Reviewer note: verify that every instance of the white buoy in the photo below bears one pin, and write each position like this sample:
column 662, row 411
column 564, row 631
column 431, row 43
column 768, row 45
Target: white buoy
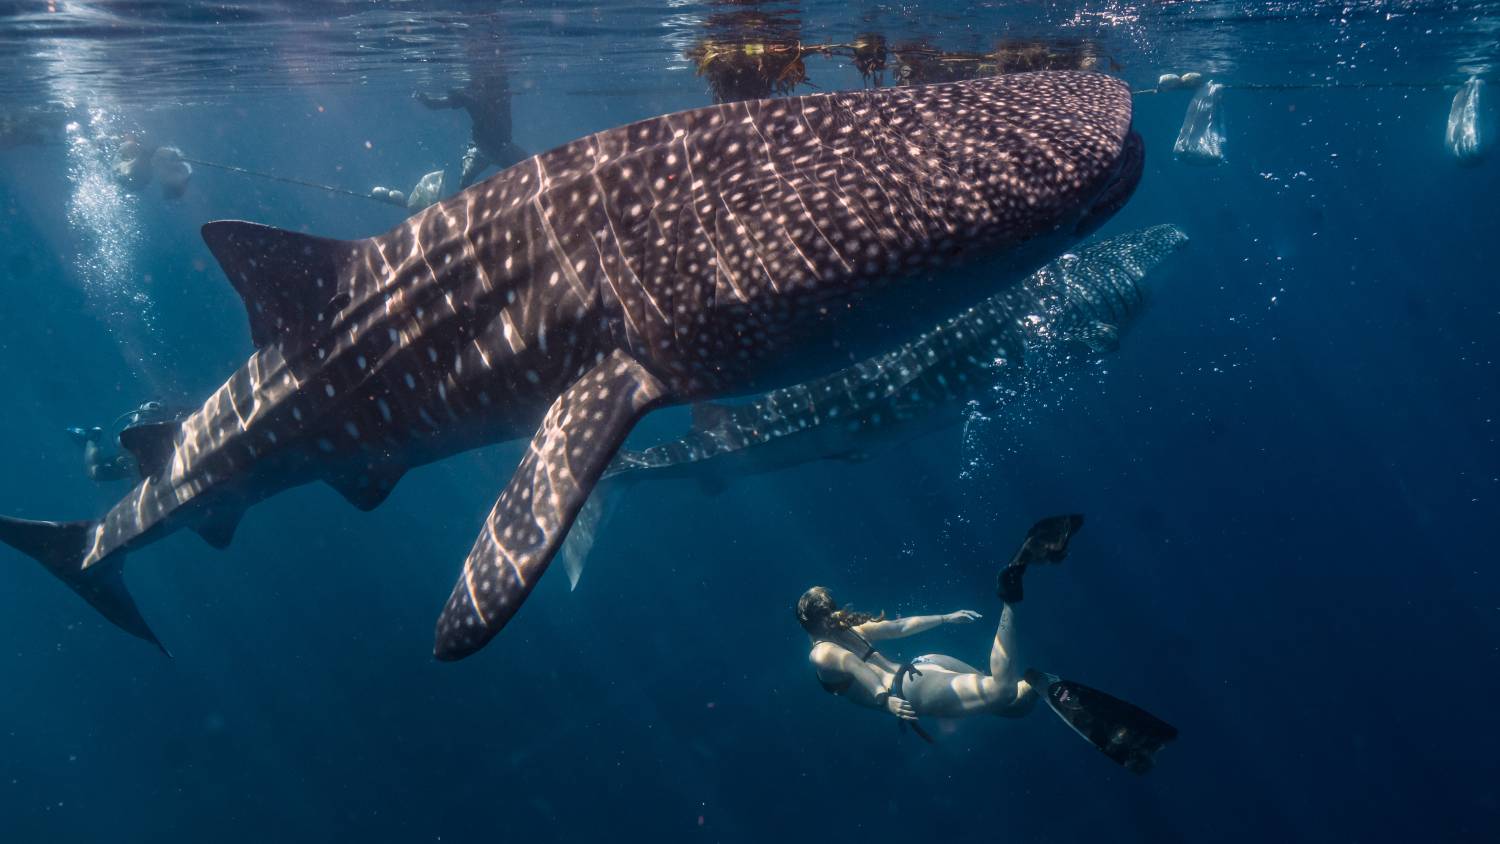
column 1201, row 139
column 1466, row 137
column 429, row 189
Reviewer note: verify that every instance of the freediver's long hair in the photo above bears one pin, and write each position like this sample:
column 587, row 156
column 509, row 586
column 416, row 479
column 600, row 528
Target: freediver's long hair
column 819, row 614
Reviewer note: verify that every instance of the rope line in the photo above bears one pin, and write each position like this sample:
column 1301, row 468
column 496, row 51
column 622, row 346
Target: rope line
column 245, row 171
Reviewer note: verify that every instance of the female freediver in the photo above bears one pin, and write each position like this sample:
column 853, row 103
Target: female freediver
column 847, row 664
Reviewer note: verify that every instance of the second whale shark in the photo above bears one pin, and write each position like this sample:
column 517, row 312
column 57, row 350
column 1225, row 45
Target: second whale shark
column 714, row 252
column 1075, row 307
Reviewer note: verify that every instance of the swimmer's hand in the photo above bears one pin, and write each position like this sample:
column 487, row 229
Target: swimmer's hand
column 961, row 617
column 900, row 708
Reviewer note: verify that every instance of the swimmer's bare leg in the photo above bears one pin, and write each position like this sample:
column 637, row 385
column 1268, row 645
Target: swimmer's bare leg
column 1012, row 696
column 1046, row 542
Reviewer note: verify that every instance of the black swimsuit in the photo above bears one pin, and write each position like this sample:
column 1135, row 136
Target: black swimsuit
column 838, row 687
column 897, row 684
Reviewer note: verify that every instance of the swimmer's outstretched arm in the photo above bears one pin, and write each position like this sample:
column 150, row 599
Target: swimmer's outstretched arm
column 452, row 99
column 901, row 627
column 868, row 688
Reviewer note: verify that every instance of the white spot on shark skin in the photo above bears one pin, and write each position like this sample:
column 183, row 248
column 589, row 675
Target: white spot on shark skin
column 324, row 445
column 385, row 409
column 352, row 429
column 328, row 388
column 411, row 383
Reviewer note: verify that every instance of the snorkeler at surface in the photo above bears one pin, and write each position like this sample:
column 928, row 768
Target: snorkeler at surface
column 847, row 664
column 487, row 100
column 104, row 458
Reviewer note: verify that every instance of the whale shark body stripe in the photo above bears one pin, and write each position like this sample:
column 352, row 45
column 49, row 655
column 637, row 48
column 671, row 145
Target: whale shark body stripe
column 719, row 251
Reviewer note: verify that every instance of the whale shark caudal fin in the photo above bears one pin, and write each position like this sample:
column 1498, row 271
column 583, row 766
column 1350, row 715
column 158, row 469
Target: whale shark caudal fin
column 581, row 432
column 287, row 279
column 59, row 547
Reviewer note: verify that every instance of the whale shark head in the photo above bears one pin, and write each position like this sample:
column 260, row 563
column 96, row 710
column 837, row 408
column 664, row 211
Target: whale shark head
column 1029, row 154
column 1118, row 189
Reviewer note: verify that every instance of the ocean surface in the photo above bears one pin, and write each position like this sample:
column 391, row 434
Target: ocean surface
column 1290, row 468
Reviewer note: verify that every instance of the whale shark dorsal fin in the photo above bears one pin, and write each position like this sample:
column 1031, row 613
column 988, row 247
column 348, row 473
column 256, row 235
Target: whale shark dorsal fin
column 707, row 415
column 580, row 434
column 287, row 279
column 151, row 445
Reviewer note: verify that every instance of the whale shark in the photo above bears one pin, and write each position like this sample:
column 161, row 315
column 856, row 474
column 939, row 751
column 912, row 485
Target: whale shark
column 1077, row 307
column 709, row 253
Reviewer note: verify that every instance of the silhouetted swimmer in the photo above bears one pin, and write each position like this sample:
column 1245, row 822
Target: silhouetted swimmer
column 847, row 664
column 487, row 100
column 104, row 458
column 100, row 461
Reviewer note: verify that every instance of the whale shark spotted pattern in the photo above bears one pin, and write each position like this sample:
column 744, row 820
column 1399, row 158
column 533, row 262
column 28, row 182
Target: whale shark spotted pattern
column 711, row 252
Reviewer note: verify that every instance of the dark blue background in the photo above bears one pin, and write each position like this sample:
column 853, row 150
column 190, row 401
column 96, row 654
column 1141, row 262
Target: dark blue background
column 1289, row 552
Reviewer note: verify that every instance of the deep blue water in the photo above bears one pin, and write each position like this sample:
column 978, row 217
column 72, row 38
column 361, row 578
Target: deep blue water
column 1290, row 471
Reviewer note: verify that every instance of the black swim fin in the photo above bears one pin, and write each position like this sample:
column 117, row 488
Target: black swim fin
column 1122, row 731
column 1046, row 543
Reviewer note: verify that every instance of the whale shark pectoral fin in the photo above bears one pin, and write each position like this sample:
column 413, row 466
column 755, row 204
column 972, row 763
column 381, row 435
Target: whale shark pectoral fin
column 580, row 434
column 60, row 547
column 287, row 279
column 151, row 445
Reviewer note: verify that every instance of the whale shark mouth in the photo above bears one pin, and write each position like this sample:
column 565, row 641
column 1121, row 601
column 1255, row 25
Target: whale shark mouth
column 1119, row 188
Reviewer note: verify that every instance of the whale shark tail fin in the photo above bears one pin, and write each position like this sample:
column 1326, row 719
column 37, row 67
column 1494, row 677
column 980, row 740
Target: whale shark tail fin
column 60, row 547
